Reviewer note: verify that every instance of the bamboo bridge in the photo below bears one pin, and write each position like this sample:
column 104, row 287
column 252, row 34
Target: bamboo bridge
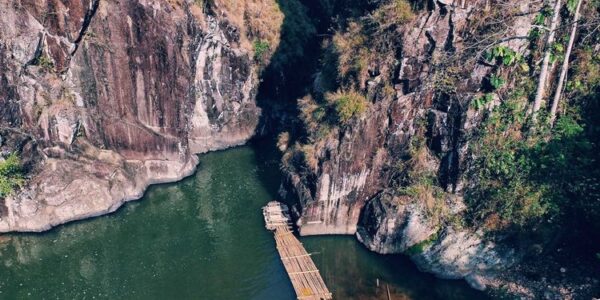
column 304, row 275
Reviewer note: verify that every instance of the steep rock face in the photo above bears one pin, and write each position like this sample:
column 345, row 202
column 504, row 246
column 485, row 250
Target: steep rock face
column 348, row 174
column 103, row 98
column 392, row 224
column 348, row 188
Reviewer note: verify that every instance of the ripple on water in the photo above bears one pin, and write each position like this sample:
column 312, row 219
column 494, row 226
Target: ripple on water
column 202, row 238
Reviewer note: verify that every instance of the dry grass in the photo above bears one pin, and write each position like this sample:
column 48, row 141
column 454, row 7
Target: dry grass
column 311, row 113
column 258, row 20
column 397, row 12
column 353, row 56
column 309, row 157
column 347, row 104
column 283, row 141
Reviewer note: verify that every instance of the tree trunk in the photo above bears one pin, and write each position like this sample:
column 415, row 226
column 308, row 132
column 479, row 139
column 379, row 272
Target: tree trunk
column 541, row 89
column 565, row 66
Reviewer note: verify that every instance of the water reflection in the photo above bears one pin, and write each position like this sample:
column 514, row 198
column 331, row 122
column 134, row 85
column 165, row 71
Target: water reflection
column 353, row 272
column 202, row 238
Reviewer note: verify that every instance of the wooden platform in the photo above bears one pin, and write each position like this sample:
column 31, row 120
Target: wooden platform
column 304, row 275
column 301, row 269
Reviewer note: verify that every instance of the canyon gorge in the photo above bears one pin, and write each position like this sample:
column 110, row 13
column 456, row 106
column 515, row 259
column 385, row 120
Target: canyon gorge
column 407, row 124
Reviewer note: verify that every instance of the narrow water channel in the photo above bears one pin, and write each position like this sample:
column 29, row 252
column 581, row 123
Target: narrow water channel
column 201, row 238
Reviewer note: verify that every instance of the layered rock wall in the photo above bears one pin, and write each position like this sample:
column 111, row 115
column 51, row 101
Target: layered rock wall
column 103, row 98
column 419, row 85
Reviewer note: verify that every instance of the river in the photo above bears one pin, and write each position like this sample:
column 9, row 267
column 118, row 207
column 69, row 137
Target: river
column 201, row 238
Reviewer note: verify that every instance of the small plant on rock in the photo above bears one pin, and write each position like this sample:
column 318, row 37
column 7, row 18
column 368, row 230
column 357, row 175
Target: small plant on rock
column 347, row 104
column 45, row 63
column 11, row 175
column 261, row 48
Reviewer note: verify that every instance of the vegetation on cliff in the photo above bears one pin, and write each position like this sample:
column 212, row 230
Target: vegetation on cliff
column 258, row 21
column 529, row 156
column 11, row 175
column 530, row 169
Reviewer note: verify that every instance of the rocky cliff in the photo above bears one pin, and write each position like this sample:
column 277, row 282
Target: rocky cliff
column 102, row 98
column 416, row 133
column 392, row 131
column 355, row 162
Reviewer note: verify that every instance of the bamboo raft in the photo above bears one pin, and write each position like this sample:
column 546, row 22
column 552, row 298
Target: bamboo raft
column 302, row 271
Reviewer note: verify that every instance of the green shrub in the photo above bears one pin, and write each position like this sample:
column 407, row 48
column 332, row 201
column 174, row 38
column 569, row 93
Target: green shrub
column 11, row 175
column 504, row 192
column 587, row 72
column 480, row 102
column 521, row 178
column 347, row 104
column 45, row 63
column 261, row 49
column 496, row 81
column 503, row 55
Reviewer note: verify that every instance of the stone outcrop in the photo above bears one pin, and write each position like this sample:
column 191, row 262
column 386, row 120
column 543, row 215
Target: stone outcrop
column 103, row 98
column 415, row 89
column 392, row 224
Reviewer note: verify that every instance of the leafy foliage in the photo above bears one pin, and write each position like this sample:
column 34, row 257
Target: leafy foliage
column 587, row 72
column 557, row 52
column 503, row 193
column 480, row 102
column 45, row 62
column 347, row 104
column 503, row 55
column 521, row 180
column 544, row 13
column 261, row 48
column 496, row 81
column 572, row 5
column 11, row 175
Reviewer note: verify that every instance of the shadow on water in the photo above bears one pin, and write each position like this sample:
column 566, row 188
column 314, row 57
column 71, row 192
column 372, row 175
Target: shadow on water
column 204, row 237
column 268, row 170
column 350, row 270
column 201, row 238
column 353, row 272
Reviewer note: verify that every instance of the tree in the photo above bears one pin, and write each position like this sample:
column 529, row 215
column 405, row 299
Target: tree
column 565, row 66
column 541, row 88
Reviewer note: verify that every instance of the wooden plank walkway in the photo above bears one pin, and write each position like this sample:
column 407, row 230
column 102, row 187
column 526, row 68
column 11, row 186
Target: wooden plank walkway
column 301, row 269
column 304, row 275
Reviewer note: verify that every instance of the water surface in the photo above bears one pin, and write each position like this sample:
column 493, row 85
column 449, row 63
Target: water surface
column 202, row 238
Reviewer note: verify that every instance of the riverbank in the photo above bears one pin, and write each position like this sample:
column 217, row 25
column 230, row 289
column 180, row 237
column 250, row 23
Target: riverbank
column 202, row 237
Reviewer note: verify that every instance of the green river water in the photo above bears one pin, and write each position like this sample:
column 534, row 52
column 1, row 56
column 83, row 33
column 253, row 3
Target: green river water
column 201, row 238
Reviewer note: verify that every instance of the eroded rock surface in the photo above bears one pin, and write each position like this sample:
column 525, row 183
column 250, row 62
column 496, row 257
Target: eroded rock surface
column 347, row 180
column 103, row 98
column 392, row 224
